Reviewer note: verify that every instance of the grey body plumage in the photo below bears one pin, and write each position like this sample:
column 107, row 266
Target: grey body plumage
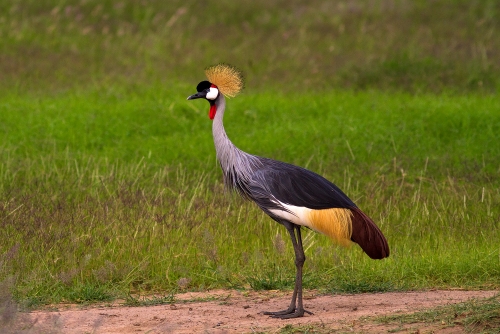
column 267, row 181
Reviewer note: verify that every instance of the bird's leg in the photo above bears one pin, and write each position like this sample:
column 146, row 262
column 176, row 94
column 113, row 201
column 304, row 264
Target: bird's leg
column 300, row 258
column 294, row 310
column 293, row 303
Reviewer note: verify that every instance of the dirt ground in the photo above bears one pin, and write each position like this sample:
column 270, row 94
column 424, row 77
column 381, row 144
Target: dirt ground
column 228, row 311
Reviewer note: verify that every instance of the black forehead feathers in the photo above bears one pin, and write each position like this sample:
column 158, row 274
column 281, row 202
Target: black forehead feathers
column 203, row 85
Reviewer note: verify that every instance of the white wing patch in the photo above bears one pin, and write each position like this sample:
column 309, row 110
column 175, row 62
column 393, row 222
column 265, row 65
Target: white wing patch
column 298, row 215
column 335, row 222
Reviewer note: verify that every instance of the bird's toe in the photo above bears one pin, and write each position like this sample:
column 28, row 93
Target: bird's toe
column 288, row 314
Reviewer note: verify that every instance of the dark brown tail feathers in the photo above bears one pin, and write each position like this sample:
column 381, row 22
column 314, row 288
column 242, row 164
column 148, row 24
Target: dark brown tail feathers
column 366, row 234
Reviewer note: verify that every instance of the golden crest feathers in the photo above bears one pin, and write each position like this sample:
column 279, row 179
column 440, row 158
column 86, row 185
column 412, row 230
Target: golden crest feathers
column 227, row 78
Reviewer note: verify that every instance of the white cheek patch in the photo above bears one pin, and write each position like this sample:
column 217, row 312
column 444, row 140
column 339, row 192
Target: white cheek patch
column 212, row 94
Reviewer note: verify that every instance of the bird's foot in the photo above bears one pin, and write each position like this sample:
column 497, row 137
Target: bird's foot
column 290, row 313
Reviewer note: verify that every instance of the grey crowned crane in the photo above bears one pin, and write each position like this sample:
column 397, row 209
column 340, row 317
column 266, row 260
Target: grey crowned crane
column 291, row 195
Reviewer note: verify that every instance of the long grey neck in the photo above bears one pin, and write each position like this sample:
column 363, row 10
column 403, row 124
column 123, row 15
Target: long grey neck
column 237, row 166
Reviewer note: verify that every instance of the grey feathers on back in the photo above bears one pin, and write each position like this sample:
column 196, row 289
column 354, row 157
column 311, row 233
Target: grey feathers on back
column 265, row 180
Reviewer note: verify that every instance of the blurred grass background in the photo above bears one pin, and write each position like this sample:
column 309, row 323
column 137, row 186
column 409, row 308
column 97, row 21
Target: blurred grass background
column 290, row 45
column 108, row 179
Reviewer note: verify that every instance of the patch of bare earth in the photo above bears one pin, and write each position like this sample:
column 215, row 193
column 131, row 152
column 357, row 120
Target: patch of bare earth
column 228, row 311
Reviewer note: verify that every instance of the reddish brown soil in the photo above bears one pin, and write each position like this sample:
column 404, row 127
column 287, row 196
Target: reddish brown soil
column 240, row 312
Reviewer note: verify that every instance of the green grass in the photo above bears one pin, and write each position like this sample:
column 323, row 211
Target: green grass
column 111, row 196
column 409, row 45
column 475, row 316
column 305, row 329
column 149, row 301
column 108, row 179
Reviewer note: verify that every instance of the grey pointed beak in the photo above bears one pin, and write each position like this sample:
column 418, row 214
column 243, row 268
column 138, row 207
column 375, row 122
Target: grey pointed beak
column 198, row 95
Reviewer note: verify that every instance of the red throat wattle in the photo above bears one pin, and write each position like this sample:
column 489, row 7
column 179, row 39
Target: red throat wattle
column 213, row 108
column 211, row 114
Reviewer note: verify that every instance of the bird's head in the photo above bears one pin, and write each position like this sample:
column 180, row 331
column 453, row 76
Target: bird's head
column 209, row 92
column 223, row 78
